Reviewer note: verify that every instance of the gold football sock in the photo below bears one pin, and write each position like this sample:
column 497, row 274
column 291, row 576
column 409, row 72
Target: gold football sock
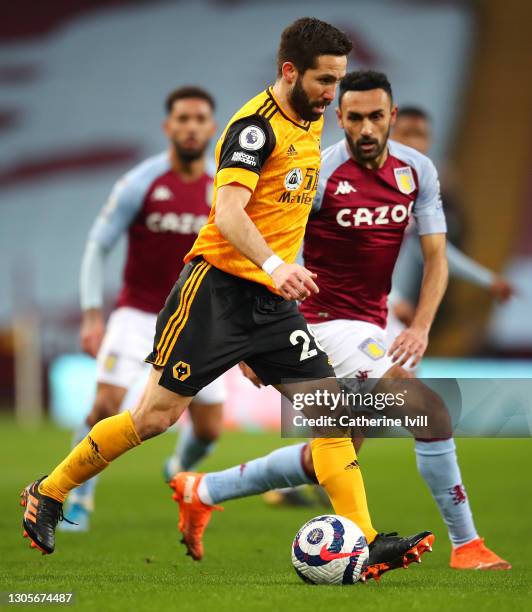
column 338, row 473
column 106, row 441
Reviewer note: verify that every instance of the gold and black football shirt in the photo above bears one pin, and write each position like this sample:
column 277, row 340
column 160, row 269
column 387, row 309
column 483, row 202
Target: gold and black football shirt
column 277, row 158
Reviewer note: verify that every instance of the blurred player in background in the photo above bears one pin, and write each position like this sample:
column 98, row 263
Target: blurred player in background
column 161, row 204
column 369, row 187
column 412, row 128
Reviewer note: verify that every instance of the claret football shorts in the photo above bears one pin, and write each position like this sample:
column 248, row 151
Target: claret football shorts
column 213, row 320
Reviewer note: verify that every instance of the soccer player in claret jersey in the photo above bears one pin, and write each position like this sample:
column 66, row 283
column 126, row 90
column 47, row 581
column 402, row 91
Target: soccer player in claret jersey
column 236, row 298
column 162, row 203
column 369, row 187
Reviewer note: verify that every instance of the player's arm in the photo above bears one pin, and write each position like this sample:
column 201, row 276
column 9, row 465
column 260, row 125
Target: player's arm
column 237, row 176
column 114, row 219
column 462, row 266
column 411, row 344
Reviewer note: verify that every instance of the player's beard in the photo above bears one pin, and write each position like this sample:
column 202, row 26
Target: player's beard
column 188, row 156
column 302, row 104
column 360, row 155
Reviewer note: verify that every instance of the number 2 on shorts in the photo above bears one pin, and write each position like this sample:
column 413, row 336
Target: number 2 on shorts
column 300, row 335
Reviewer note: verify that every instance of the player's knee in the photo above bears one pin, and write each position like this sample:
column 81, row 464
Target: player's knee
column 307, row 463
column 428, row 404
column 106, row 404
column 208, row 432
column 152, row 418
column 207, row 422
column 440, row 422
column 152, row 423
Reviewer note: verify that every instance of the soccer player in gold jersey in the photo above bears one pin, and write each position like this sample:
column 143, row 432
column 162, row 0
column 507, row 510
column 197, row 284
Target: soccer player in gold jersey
column 235, row 299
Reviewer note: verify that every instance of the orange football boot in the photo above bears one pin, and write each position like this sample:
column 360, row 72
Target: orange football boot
column 476, row 555
column 194, row 515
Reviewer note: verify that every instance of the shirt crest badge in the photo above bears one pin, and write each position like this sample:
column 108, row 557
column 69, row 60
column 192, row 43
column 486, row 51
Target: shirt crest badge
column 405, row 179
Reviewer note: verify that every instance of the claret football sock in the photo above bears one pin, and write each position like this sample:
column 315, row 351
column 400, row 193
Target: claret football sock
column 281, row 468
column 438, row 464
column 106, row 441
column 339, row 474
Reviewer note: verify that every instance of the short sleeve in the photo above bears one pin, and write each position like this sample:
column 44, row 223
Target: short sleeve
column 247, row 145
column 428, row 209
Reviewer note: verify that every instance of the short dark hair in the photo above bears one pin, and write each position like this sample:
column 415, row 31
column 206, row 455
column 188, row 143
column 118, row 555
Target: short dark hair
column 416, row 112
column 306, row 39
column 364, row 80
column 188, row 91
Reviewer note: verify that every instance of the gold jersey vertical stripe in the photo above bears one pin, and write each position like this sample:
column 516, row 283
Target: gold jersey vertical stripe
column 169, row 325
column 181, row 320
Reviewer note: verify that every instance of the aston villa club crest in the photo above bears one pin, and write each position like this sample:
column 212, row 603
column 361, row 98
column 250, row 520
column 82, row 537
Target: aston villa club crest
column 404, row 179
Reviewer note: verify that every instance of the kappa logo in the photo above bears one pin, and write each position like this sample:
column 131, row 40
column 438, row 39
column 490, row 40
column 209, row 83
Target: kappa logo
column 181, row 370
column 291, row 152
column 344, row 188
column 161, row 194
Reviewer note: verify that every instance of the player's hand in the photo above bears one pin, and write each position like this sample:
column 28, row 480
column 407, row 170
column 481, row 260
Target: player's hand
column 410, row 344
column 501, row 289
column 92, row 331
column 250, row 374
column 294, row 281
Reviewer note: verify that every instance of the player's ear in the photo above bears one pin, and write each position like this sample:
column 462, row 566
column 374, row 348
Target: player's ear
column 165, row 127
column 393, row 115
column 338, row 112
column 289, row 72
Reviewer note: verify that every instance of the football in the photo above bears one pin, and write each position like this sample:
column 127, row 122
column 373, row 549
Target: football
column 329, row 549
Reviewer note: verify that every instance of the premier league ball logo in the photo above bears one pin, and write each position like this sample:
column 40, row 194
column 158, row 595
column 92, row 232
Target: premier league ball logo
column 315, row 536
column 252, row 138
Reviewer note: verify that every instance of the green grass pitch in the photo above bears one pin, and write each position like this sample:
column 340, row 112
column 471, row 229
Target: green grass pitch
column 131, row 560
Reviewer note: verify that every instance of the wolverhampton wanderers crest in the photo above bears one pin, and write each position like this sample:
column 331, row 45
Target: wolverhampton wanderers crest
column 404, row 179
column 181, row 370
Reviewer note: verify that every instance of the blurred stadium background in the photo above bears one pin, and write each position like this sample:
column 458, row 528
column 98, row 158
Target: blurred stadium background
column 82, row 85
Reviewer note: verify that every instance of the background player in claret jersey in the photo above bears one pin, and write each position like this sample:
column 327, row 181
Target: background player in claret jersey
column 413, row 128
column 369, row 187
column 161, row 204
